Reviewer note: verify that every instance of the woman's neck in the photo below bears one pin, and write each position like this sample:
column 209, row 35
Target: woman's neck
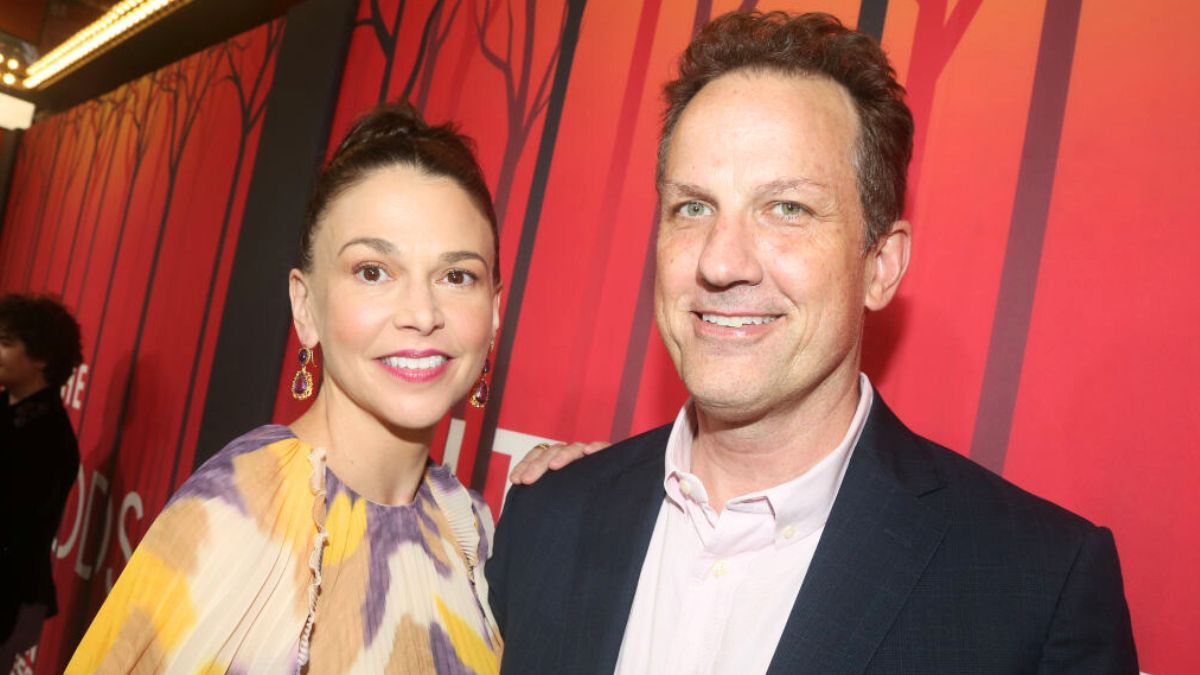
column 383, row 464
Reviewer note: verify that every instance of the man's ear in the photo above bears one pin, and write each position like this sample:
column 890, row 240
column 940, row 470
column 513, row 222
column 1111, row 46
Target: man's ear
column 303, row 319
column 886, row 262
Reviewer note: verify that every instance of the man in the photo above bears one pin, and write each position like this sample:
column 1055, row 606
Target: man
column 787, row 522
column 39, row 349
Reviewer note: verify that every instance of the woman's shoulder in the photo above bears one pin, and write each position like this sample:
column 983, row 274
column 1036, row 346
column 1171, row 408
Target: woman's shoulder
column 463, row 505
column 265, row 451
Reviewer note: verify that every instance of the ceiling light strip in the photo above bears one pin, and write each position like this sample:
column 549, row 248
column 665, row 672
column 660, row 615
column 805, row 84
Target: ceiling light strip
column 124, row 19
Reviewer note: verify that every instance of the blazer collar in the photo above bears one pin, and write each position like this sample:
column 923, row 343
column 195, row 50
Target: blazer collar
column 878, row 539
column 622, row 516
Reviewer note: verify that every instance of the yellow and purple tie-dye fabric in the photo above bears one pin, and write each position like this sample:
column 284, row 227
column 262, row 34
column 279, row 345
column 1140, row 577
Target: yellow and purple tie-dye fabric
column 220, row 581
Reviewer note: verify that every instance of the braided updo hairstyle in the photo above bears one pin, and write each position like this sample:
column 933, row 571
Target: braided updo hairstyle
column 395, row 134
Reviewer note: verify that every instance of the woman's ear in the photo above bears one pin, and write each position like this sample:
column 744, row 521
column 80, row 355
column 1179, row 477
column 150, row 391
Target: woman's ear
column 303, row 317
column 496, row 313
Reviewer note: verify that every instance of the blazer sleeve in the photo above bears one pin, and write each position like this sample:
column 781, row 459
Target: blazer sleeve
column 496, row 568
column 1091, row 631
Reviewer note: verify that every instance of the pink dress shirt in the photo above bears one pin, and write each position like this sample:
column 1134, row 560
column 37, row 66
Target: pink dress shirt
column 716, row 589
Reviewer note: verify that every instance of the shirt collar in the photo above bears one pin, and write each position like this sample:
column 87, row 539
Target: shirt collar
column 799, row 506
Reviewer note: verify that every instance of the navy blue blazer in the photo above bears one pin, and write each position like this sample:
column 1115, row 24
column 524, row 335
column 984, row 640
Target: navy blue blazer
column 928, row 563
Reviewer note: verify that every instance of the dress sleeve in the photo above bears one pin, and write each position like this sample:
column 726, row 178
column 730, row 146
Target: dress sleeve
column 150, row 608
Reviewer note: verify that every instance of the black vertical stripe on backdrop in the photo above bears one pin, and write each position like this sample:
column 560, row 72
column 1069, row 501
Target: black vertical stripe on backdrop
column 1026, row 234
column 529, row 228
column 871, row 15
column 639, row 341
column 10, row 140
column 295, row 133
column 870, row 20
column 643, row 308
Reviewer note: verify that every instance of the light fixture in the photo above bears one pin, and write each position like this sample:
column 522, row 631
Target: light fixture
column 13, row 64
column 10, row 79
column 123, row 20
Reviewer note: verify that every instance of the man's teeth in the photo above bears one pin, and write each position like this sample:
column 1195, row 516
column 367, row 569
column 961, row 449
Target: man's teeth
column 737, row 321
column 406, row 363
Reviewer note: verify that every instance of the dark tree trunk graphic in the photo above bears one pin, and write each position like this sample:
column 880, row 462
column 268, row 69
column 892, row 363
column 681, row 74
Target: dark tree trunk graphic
column 117, row 104
column 81, row 114
column 525, row 101
column 386, row 33
column 69, row 121
column 564, row 59
column 250, row 86
column 934, row 42
column 27, row 169
column 440, row 30
column 435, row 29
column 610, row 201
column 138, row 103
column 101, row 125
column 184, row 85
column 643, row 312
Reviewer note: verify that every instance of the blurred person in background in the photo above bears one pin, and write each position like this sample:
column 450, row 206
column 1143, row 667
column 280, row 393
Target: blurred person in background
column 39, row 458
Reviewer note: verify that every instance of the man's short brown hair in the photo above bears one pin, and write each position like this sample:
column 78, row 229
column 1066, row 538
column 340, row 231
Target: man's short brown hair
column 814, row 44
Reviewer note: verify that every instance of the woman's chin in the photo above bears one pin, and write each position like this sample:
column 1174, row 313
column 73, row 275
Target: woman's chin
column 416, row 417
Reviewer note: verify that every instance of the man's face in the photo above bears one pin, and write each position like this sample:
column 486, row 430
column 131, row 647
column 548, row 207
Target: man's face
column 762, row 276
column 17, row 369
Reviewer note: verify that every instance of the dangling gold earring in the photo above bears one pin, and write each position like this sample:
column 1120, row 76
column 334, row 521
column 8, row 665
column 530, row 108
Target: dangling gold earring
column 302, row 383
column 480, row 394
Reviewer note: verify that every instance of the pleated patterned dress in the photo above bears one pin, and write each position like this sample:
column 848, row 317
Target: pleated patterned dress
column 226, row 579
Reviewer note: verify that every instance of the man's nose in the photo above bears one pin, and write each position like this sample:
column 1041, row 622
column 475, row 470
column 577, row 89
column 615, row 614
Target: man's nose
column 730, row 254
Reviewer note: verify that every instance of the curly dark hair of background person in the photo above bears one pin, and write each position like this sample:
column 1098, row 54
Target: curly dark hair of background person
column 48, row 331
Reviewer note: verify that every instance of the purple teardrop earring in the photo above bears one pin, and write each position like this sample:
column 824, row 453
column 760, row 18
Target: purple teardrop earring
column 480, row 394
column 302, row 383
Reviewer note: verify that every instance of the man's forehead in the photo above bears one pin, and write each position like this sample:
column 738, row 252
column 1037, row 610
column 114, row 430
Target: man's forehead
column 770, row 129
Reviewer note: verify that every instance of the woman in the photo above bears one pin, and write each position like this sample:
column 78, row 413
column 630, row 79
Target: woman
column 39, row 349
column 333, row 545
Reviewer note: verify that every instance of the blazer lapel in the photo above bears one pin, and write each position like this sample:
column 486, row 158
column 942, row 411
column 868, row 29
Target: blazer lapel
column 878, row 540
column 623, row 514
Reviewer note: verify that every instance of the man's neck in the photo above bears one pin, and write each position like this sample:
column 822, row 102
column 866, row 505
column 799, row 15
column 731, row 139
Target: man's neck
column 734, row 459
column 20, row 391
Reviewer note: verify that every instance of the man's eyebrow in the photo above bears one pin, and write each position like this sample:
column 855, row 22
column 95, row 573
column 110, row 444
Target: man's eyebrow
column 686, row 190
column 451, row 257
column 785, row 184
column 382, row 246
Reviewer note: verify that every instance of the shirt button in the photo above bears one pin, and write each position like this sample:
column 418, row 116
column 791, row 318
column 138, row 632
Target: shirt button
column 718, row 569
column 685, row 487
column 789, row 532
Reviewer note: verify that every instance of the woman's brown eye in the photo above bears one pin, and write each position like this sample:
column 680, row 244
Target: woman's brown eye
column 455, row 277
column 370, row 273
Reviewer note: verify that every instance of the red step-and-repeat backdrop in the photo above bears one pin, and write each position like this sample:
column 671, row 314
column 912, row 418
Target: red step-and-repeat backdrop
column 1047, row 326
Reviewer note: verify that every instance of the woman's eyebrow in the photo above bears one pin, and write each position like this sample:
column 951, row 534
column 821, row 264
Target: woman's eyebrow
column 383, row 246
column 451, row 257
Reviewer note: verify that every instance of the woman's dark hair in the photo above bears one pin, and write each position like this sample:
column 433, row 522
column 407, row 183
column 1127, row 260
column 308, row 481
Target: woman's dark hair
column 395, row 134
column 48, row 331
column 813, row 44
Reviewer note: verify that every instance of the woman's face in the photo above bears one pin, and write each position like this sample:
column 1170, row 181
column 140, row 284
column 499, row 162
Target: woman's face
column 400, row 295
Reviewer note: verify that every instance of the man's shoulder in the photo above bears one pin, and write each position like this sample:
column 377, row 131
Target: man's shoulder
column 981, row 498
column 570, row 484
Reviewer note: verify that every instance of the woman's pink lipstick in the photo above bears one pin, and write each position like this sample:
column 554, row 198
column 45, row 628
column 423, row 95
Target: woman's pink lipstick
column 416, row 366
